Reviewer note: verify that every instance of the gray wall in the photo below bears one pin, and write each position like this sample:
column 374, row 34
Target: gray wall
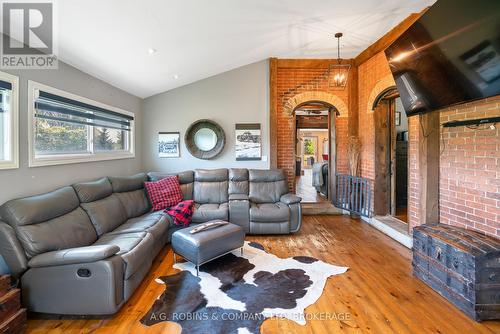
column 28, row 181
column 237, row 96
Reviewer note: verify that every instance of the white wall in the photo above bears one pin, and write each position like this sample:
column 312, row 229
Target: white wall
column 237, row 96
column 26, row 181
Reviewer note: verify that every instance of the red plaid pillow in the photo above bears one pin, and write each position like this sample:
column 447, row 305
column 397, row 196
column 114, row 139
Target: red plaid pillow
column 182, row 212
column 164, row 193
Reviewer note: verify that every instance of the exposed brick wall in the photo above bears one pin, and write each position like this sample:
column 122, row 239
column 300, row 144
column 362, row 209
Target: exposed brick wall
column 469, row 186
column 292, row 82
column 341, row 126
column 469, row 160
column 374, row 76
column 413, row 172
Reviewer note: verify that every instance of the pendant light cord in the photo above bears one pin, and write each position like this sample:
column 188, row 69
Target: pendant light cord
column 337, row 36
column 338, row 49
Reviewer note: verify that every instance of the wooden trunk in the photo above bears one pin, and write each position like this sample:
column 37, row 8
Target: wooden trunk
column 4, row 284
column 12, row 316
column 461, row 265
column 10, row 303
column 16, row 324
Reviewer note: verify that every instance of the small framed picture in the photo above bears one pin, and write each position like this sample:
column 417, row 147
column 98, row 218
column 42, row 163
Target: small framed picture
column 397, row 119
column 248, row 142
column 168, row 144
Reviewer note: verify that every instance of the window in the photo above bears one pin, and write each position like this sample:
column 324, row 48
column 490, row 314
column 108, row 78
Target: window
column 9, row 118
column 66, row 128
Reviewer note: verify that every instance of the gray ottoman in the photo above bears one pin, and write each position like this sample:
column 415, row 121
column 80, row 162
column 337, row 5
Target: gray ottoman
column 207, row 245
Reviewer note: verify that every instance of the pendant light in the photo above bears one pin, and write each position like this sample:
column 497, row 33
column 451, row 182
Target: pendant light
column 339, row 72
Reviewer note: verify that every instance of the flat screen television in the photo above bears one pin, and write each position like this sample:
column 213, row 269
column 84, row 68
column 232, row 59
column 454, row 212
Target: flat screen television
column 450, row 55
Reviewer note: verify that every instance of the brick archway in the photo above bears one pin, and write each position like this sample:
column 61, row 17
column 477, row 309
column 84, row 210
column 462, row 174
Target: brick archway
column 380, row 86
column 334, row 100
column 336, row 123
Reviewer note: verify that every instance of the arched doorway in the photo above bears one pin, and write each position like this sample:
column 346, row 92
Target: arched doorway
column 391, row 155
column 315, row 150
column 286, row 160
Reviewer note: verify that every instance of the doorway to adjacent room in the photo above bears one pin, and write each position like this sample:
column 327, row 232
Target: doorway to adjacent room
column 312, row 151
column 391, row 158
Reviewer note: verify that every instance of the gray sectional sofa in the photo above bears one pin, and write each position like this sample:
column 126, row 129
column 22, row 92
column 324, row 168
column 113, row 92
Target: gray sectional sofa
column 84, row 249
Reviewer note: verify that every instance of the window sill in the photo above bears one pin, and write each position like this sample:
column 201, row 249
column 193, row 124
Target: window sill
column 75, row 159
column 9, row 165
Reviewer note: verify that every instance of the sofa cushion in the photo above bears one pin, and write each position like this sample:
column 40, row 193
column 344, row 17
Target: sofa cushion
column 71, row 230
column 238, row 181
column 127, row 183
column 93, row 190
column 39, row 208
column 49, row 222
column 135, row 249
column 269, row 212
column 136, row 203
column 155, row 223
column 105, row 214
column 267, row 186
column 210, row 186
column 164, row 193
column 206, row 212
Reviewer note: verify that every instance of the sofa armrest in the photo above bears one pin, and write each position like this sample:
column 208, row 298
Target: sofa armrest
column 238, row 197
column 290, row 199
column 73, row 256
column 12, row 251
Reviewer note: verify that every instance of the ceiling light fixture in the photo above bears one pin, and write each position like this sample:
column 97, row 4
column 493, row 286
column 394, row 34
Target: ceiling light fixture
column 151, row 51
column 339, row 73
column 175, row 76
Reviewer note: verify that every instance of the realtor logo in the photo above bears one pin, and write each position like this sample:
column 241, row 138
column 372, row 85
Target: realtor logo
column 28, row 35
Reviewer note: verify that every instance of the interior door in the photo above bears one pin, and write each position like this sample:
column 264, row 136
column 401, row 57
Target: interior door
column 382, row 185
column 393, row 134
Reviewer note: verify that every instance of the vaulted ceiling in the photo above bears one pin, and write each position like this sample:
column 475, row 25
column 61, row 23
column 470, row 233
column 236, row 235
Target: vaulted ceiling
column 195, row 39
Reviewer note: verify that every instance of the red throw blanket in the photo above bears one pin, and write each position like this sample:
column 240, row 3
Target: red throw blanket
column 182, row 212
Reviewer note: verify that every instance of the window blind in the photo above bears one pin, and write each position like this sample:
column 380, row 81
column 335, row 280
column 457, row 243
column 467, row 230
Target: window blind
column 4, row 85
column 58, row 108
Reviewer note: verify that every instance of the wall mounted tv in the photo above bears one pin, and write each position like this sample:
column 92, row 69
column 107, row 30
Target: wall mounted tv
column 450, row 55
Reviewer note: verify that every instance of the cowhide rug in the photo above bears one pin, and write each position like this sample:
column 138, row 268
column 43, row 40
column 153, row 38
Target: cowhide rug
column 235, row 294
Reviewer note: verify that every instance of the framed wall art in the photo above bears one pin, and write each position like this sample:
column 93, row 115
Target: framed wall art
column 248, row 145
column 169, row 144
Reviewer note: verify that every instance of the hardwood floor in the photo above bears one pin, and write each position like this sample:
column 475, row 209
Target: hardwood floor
column 377, row 295
column 402, row 214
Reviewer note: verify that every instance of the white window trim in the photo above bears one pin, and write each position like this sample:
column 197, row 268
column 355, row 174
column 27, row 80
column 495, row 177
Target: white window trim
column 14, row 123
column 63, row 159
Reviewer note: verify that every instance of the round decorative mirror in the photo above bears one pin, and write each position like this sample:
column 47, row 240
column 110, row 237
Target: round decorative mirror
column 205, row 139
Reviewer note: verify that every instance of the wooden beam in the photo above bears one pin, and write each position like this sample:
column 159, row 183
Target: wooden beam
column 353, row 126
column 310, row 63
column 428, row 167
column 382, row 185
column 273, row 113
column 312, row 122
column 332, row 163
column 386, row 40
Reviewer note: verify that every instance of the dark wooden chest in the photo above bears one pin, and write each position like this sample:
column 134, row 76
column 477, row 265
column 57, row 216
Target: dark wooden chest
column 12, row 316
column 461, row 265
